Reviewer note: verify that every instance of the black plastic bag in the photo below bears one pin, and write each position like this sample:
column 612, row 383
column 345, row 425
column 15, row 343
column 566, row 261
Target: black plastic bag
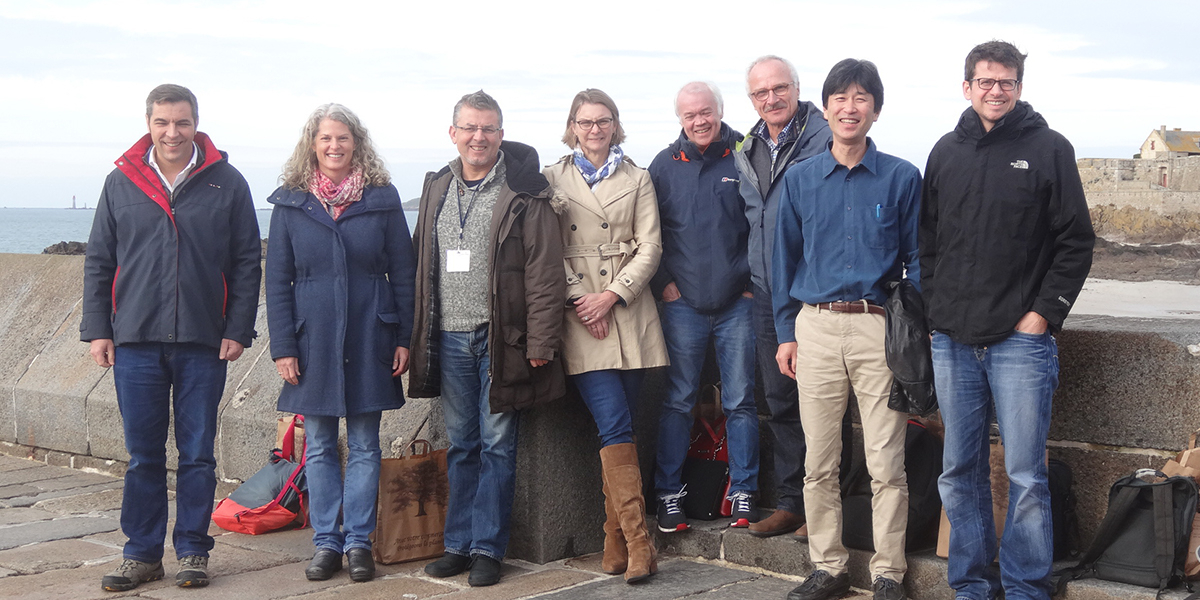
column 908, row 351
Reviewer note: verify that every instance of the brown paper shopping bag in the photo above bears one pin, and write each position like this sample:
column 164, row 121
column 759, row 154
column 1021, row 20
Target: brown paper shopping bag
column 413, row 493
column 281, row 428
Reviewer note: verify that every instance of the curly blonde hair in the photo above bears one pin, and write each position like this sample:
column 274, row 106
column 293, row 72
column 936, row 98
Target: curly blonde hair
column 298, row 169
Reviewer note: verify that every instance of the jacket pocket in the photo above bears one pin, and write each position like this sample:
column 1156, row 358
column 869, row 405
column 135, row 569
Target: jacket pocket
column 301, row 344
column 385, row 339
column 513, row 366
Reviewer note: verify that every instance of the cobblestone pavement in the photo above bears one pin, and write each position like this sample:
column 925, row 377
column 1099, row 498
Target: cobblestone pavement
column 59, row 534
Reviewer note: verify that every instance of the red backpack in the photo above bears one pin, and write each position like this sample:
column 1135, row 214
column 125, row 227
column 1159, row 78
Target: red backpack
column 276, row 497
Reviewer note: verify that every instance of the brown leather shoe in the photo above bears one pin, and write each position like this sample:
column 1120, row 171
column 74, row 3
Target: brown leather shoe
column 779, row 523
column 802, row 533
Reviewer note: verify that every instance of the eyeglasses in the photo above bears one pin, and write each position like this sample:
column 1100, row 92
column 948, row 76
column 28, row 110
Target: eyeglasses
column 587, row 124
column 778, row 90
column 472, row 129
column 987, row 83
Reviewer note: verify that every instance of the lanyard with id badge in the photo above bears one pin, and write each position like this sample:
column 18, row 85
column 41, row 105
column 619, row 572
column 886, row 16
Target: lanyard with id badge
column 459, row 260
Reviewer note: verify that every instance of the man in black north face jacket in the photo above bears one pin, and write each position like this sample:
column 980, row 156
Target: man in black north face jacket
column 1005, row 246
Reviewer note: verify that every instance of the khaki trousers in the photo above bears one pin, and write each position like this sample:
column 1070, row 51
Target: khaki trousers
column 837, row 352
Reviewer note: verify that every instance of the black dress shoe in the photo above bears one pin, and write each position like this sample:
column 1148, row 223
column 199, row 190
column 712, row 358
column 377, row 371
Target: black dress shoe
column 485, row 570
column 324, row 564
column 448, row 565
column 362, row 564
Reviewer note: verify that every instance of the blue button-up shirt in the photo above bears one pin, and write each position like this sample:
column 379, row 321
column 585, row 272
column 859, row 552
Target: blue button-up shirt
column 841, row 233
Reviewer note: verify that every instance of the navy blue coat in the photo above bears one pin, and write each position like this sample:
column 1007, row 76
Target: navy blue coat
column 704, row 230
column 340, row 298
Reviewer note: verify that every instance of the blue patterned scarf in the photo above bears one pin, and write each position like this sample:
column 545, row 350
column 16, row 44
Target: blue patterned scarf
column 591, row 174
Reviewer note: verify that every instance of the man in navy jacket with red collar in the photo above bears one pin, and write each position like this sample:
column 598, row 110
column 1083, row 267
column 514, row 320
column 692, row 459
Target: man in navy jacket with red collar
column 171, row 285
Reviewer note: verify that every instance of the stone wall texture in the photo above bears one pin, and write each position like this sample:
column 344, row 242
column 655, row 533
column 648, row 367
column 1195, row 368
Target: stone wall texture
column 1127, row 399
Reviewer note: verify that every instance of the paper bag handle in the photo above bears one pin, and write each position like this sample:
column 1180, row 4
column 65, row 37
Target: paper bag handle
column 426, row 447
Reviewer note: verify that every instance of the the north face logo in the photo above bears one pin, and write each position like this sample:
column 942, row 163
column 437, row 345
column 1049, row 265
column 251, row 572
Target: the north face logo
column 1020, row 164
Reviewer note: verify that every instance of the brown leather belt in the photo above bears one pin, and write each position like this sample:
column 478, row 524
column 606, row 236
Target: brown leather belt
column 857, row 307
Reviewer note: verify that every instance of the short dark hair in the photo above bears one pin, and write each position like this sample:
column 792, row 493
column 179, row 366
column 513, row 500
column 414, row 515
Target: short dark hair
column 853, row 71
column 995, row 51
column 480, row 101
column 171, row 93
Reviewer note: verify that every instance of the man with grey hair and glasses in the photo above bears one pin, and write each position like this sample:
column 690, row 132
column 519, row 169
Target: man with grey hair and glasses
column 788, row 131
column 704, row 282
column 488, row 324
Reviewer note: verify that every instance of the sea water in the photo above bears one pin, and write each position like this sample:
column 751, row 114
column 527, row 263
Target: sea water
column 30, row 230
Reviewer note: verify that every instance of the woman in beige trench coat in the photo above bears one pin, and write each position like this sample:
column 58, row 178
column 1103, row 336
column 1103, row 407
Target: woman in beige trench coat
column 611, row 247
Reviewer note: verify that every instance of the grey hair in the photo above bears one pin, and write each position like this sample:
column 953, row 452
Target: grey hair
column 479, row 101
column 702, row 86
column 170, row 93
column 769, row 57
column 300, row 167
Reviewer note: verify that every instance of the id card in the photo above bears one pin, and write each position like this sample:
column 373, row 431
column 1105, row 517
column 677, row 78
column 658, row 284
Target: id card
column 458, row 261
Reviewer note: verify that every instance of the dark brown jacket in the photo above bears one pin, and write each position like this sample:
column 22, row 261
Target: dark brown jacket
column 528, row 288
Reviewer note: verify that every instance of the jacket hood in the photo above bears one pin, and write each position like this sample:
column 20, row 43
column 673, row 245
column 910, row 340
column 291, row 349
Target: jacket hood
column 1020, row 118
column 523, row 170
column 729, row 137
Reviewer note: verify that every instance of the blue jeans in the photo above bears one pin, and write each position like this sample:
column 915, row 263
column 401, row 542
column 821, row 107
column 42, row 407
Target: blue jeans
column 482, row 459
column 1016, row 379
column 146, row 377
column 611, row 396
column 687, row 333
column 342, row 515
column 784, row 404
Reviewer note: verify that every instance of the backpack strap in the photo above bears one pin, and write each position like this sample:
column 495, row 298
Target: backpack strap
column 1118, row 510
column 1164, row 533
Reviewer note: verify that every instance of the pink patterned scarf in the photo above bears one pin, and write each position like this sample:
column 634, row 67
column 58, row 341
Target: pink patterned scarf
column 337, row 198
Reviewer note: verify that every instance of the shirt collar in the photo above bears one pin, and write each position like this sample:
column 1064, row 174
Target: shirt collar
column 829, row 164
column 153, row 162
column 789, row 133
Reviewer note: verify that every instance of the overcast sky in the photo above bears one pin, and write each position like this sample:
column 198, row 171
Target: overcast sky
column 76, row 73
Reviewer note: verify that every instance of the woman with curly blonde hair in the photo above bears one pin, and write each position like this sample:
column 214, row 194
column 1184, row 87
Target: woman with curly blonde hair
column 339, row 279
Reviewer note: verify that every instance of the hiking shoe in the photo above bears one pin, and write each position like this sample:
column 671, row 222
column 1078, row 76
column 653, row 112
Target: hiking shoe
column 448, row 565
column 670, row 512
column 485, row 571
column 887, row 589
column 131, row 574
column 193, row 571
column 743, row 508
column 820, row 585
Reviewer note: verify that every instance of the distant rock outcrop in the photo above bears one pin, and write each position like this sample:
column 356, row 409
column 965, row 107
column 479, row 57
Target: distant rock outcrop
column 67, row 248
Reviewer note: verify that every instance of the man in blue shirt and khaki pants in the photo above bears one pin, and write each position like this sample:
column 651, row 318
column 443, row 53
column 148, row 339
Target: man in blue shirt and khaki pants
column 847, row 225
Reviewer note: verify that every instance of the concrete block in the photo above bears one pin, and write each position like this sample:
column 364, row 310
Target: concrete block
column 780, row 554
column 59, row 554
column 382, row 588
column 46, row 495
column 57, row 529
column 106, row 433
column 12, row 516
column 97, row 502
column 1127, row 382
column 38, row 473
column 702, row 540
column 558, row 508
column 523, row 583
column 420, row 418
column 926, row 577
column 759, row 587
column 675, row 579
column 50, row 396
column 246, row 430
column 14, row 463
column 296, row 543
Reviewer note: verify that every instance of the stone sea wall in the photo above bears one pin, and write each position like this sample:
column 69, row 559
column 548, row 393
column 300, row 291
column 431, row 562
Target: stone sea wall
column 1127, row 399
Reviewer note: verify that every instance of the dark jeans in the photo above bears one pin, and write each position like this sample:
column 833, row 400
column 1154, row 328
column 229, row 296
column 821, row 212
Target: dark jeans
column 783, row 402
column 147, row 376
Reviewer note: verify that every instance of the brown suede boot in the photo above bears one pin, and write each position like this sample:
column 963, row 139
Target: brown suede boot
column 616, row 555
column 624, row 479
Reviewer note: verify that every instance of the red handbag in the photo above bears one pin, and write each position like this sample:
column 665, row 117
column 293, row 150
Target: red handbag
column 706, row 470
column 274, row 498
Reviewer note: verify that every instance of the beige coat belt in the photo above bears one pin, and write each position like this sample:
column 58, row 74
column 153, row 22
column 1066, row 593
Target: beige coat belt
column 599, row 250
